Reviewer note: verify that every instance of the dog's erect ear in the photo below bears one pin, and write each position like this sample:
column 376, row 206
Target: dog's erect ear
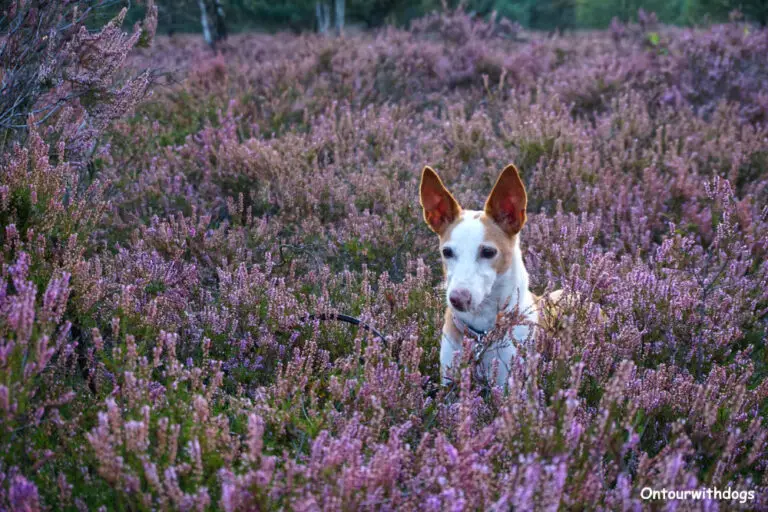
column 507, row 202
column 440, row 208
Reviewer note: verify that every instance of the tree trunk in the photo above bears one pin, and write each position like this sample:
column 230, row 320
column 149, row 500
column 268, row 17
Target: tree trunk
column 319, row 17
column 204, row 22
column 339, row 8
column 323, row 13
column 221, row 25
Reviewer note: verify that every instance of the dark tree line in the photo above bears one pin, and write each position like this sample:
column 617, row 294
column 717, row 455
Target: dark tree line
column 215, row 18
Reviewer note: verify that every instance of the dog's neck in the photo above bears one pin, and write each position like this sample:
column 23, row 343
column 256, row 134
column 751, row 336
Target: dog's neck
column 510, row 291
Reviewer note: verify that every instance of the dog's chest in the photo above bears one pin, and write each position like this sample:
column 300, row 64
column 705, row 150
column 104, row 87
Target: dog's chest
column 484, row 354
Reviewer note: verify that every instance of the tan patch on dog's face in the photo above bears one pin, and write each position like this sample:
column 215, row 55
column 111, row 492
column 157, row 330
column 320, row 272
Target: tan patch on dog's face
column 504, row 243
column 446, row 234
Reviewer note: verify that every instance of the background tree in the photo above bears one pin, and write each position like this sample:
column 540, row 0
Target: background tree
column 205, row 23
column 212, row 21
column 338, row 11
column 323, row 14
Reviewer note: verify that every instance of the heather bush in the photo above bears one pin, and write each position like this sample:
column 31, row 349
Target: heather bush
column 35, row 353
column 162, row 341
column 58, row 74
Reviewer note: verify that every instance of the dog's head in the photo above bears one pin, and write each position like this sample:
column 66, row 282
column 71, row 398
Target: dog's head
column 476, row 246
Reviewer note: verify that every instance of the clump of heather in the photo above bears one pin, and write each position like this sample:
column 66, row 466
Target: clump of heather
column 36, row 355
column 162, row 342
column 60, row 75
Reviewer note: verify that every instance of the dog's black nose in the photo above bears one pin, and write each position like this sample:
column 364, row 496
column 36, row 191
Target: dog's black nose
column 460, row 299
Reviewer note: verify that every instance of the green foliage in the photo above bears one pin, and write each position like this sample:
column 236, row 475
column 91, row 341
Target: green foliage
column 699, row 11
column 298, row 14
column 599, row 13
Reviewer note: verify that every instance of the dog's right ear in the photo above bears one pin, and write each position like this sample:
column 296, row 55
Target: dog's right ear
column 440, row 208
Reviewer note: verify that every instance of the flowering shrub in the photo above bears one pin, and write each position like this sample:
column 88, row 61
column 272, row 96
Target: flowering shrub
column 160, row 341
column 57, row 73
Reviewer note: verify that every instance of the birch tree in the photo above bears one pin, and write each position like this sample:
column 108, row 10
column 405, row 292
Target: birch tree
column 205, row 23
column 214, row 30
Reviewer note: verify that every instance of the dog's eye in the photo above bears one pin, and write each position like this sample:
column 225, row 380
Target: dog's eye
column 488, row 252
column 447, row 253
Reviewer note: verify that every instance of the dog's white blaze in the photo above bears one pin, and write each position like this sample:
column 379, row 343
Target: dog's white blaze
column 466, row 270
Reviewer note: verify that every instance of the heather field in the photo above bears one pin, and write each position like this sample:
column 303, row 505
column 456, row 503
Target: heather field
column 155, row 347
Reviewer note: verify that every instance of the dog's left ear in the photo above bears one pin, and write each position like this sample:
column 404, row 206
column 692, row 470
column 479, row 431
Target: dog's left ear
column 507, row 202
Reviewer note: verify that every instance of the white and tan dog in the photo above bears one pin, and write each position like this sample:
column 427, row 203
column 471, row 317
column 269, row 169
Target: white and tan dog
column 483, row 265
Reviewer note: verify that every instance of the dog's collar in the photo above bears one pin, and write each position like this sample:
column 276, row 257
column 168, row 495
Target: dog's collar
column 466, row 329
column 479, row 347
